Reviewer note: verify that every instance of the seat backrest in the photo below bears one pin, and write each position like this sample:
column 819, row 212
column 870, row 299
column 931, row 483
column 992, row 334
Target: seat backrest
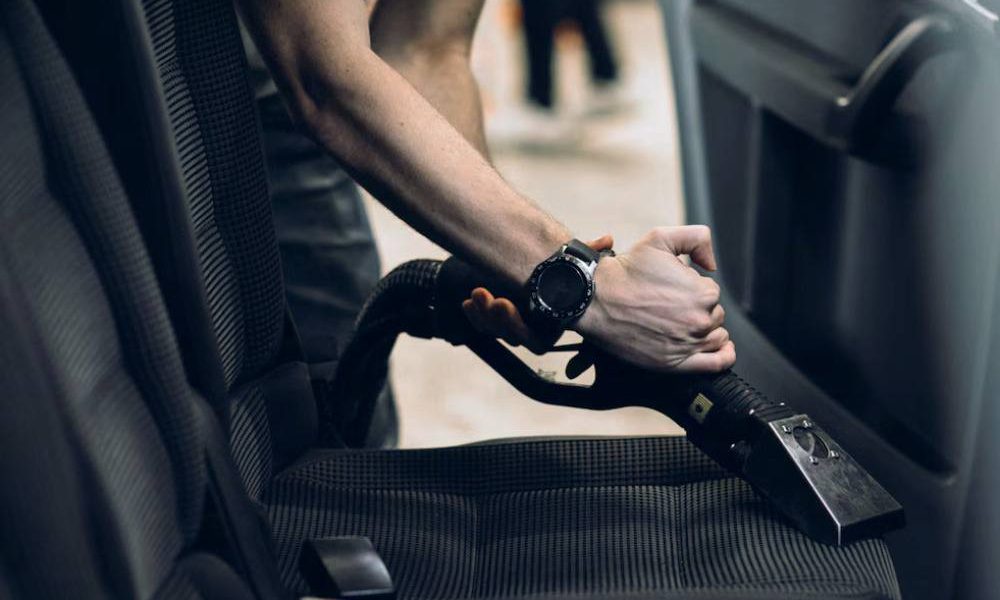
column 94, row 386
column 42, row 509
column 183, row 129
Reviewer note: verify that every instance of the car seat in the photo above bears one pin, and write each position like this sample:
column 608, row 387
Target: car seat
column 580, row 517
column 103, row 467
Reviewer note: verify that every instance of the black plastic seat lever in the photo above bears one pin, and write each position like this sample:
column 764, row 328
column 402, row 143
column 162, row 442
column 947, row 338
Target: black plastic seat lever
column 345, row 567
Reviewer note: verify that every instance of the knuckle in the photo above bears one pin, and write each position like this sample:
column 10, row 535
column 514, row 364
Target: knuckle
column 650, row 238
column 700, row 321
column 654, row 237
column 702, row 232
column 730, row 356
column 711, row 292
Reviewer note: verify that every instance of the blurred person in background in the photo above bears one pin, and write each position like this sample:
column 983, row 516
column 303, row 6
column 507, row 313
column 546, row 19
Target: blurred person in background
column 540, row 121
column 541, row 19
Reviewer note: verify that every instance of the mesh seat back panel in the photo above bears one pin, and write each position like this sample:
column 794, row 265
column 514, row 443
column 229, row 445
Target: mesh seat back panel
column 251, row 441
column 217, row 138
column 202, row 71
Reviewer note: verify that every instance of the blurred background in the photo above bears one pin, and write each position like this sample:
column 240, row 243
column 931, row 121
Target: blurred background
column 603, row 159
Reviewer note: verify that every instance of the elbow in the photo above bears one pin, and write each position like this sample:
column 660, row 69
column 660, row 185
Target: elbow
column 320, row 92
column 316, row 106
column 308, row 100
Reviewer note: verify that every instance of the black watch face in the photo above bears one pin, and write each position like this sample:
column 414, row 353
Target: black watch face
column 561, row 286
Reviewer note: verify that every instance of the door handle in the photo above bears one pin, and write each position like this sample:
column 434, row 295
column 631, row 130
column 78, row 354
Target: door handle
column 855, row 115
column 810, row 90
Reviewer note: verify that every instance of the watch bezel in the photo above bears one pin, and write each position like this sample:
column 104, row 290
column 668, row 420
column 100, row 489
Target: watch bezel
column 574, row 312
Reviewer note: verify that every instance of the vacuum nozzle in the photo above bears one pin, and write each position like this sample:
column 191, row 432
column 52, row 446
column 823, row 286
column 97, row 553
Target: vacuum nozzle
column 817, row 484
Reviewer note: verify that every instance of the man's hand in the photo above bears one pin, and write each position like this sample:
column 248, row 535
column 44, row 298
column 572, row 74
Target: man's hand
column 650, row 308
column 654, row 310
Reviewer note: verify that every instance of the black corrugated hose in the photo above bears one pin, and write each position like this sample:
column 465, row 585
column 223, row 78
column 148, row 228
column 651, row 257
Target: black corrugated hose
column 422, row 299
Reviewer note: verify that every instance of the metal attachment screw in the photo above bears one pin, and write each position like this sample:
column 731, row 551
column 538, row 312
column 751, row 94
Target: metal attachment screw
column 814, row 460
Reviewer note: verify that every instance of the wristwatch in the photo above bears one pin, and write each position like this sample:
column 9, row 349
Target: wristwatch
column 561, row 288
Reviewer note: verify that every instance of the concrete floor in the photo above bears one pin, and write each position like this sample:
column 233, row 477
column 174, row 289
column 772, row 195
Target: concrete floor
column 622, row 179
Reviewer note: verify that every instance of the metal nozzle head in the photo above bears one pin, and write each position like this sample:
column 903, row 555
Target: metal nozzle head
column 817, row 485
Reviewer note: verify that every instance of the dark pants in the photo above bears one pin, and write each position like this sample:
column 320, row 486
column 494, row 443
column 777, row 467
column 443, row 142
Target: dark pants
column 328, row 255
column 540, row 20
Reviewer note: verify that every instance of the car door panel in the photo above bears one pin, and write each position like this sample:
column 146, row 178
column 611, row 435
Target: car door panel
column 842, row 154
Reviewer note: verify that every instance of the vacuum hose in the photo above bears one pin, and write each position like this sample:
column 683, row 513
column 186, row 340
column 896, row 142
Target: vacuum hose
column 782, row 453
column 400, row 303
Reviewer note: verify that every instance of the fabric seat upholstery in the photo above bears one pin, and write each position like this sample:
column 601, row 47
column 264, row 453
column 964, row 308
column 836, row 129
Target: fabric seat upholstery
column 103, row 473
column 588, row 518
column 571, row 517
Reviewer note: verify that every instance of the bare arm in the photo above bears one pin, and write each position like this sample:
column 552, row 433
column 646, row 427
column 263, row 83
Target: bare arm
column 649, row 307
column 392, row 140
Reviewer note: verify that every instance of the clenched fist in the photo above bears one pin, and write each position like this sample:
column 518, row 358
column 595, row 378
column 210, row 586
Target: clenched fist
column 650, row 308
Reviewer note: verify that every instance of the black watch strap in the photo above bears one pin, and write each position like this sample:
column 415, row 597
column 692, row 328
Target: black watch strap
column 582, row 251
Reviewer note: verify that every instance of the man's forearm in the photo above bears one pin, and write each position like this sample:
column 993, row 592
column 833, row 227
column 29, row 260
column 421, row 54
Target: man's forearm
column 650, row 309
column 394, row 142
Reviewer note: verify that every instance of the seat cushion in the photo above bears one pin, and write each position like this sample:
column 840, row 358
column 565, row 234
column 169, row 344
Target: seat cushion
column 592, row 517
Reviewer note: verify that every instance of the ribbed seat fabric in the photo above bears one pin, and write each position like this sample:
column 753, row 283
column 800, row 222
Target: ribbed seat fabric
column 647, row 517
column 97, row 411
column 582, row 518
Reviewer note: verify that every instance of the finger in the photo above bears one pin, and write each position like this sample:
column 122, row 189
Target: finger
column 511, row 321
column 482, row 298
column 703, row 326
column 605, row 242
column 718, row 316
column 714, row 341
column 711, row 294
column 474, row 315
column 512, row 318
column 695, row 241
column 505, row 320
column 477, row 311
column 710, row 362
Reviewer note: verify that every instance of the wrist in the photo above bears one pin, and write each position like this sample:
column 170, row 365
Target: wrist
column 550, row 236
column 594, row 320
